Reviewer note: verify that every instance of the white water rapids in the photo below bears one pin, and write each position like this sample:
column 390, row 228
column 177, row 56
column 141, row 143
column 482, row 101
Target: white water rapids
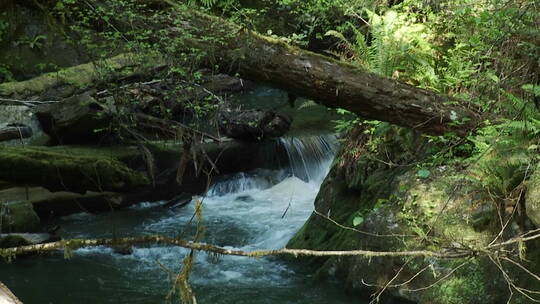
column 247, row 211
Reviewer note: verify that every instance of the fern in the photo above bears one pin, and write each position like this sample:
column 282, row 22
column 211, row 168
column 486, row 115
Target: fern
column 307, row 104
column 398, row 47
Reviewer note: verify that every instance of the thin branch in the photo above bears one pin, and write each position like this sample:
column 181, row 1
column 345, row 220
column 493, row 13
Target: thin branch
column 158, row 239
column 359, row 231
column 28, row 103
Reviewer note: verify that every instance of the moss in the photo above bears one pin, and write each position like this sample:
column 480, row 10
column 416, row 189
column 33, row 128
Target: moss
column 18, row 217
column 62, row 171
column 470, row 284
column 12, row 241
column 432, row 212
column 79, row 76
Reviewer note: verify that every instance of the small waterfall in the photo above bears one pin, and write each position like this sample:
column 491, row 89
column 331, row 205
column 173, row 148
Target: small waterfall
column 309, row 156
column 258, row 179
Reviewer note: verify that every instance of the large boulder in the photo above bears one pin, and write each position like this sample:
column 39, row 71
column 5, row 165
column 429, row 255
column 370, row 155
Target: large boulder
column 19, row 126
column 77, row 119
column 253, row 125
column 401, row 208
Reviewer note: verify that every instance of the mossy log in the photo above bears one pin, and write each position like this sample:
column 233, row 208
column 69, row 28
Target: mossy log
column 64, row 172
column 331, row 82
column 66, row 82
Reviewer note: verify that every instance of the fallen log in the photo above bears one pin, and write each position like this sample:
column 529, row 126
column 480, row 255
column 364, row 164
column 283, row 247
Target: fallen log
column 66, row 172
column 331, row 82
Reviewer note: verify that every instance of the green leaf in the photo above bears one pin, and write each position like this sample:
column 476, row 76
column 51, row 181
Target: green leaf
column 357, row 220
column 423, row 173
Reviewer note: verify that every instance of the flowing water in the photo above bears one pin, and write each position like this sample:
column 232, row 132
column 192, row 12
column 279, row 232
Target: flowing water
column 247, row 211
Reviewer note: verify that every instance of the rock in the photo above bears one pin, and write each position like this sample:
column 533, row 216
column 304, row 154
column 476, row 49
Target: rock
column 253, row 125
column 62, row 179
column 402, row 212
column 74, row 120
column 18, row 216
column 179, row 201
column 532, row 199
column 49, row 204
column 156, row 97
column 15, row 131
column 8, row 240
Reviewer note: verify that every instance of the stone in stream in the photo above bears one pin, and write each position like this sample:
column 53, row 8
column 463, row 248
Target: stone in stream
column 253, row 125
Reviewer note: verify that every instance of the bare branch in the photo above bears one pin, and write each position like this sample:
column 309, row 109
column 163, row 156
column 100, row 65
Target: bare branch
column 158, row 239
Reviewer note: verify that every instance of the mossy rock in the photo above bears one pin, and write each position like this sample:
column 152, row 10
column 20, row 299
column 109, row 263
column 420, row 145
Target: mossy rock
column 18, row 216
column 64, row 172
column 404, row 211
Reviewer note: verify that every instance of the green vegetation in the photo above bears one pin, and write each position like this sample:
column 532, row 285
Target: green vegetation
column 444, row 192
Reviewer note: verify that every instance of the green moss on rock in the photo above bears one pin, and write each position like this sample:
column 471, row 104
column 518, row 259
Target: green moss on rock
column 18, row 216
column 416, row 213
column 62, row 171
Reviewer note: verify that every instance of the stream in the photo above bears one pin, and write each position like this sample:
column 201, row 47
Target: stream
column 255, row 210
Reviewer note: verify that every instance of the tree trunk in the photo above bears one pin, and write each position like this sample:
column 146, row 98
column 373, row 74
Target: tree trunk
column 333, row 83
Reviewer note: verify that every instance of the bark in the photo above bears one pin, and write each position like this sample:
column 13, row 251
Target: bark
column 333, row 83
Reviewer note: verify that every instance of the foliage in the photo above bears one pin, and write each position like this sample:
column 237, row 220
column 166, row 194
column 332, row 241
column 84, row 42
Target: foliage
column 506, row 151
column 5, row 73
column 399, row 47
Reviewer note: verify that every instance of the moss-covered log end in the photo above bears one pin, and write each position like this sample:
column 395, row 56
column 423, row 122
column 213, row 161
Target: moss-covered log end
column 67, row 172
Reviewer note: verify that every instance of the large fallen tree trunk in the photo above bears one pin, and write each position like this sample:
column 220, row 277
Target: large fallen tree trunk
column 331, row 82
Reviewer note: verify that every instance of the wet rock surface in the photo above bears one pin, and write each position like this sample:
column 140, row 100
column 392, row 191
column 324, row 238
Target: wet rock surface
column 253, row 125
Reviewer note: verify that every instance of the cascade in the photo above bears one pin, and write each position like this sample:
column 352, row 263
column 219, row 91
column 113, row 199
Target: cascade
column 251, row 210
